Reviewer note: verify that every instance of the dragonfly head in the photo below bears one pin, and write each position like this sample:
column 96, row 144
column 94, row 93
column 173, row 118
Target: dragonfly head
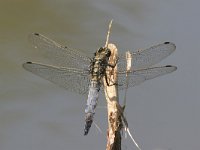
column 100, row 50
column 105, row 51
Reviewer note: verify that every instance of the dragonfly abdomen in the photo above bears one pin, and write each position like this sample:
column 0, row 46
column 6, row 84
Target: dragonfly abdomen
column 91, row 105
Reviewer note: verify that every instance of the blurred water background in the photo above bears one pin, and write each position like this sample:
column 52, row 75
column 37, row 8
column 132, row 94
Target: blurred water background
column 38, row 115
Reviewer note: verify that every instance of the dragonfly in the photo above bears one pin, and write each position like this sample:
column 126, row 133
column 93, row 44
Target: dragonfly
column 77, row 72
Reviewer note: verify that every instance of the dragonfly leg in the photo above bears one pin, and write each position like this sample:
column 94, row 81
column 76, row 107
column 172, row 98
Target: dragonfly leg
column 106, row 78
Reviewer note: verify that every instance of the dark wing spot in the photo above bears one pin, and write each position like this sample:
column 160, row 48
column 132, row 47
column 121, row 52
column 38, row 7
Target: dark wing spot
column 36, row 34
column 166, row 42
column 168, row 66
column 29, row 62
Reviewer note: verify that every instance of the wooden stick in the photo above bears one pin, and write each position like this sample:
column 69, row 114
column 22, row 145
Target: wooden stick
column 108, row 34
column 111, row 93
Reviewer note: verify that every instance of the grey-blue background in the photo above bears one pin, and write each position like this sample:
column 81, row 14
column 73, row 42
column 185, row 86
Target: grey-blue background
column 37, row 115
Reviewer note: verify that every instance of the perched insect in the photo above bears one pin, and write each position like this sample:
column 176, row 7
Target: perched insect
column 78, row 73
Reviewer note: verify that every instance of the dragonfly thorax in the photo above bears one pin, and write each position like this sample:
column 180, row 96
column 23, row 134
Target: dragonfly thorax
column 99, row 63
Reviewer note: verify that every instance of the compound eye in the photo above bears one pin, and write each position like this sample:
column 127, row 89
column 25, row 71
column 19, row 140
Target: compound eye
column 100, row 49
column 108, row 53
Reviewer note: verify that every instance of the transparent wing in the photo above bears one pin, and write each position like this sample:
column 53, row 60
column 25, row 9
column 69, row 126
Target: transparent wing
column 59, row 55
column 147, row 57
column 138, row 76
column 74, row 80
